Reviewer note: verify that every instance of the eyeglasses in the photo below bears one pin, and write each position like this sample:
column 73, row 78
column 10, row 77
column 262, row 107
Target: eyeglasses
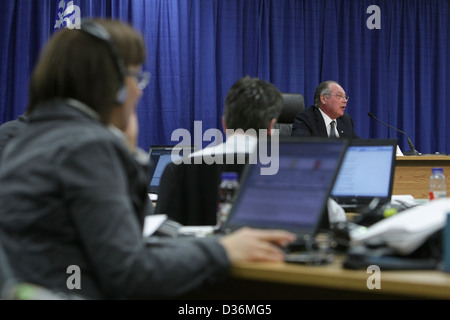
column 142, row 77
column 340, row 96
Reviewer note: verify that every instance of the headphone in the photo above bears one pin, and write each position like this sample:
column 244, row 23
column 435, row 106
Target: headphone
column 99, row 32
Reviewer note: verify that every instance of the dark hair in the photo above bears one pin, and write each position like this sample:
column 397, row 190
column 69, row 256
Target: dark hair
column 321, row 89
column 77, row 65
column 252, row 103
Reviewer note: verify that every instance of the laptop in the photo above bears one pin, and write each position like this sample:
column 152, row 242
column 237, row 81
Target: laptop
column 160, row 156
column 296, row 197
column 366, row 175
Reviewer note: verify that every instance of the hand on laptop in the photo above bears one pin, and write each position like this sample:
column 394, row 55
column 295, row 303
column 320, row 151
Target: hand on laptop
column 249, row 244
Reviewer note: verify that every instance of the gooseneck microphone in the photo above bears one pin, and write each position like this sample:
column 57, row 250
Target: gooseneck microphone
column 413, row 151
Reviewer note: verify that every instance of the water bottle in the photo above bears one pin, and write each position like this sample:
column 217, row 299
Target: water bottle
column 438, row 186
column 227, row 191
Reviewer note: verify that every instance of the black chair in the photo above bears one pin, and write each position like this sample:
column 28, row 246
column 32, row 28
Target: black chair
column 293, row 104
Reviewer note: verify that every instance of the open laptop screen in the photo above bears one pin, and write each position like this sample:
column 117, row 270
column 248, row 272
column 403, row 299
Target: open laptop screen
column 367, row 172
column 296, row 196
column 160, row 156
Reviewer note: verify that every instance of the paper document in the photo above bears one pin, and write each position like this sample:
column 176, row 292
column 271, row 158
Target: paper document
column 152, row 223
column 408, row 229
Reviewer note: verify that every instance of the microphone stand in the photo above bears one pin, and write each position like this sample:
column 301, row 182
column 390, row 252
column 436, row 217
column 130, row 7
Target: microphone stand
column 413, row 151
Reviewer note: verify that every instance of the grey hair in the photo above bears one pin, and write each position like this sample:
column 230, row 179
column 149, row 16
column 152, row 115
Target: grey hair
column 322, row 89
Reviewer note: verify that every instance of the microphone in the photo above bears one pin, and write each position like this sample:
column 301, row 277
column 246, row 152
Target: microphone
column 413, row 151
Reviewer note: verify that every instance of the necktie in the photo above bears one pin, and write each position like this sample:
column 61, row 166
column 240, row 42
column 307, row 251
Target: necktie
column 332, row 129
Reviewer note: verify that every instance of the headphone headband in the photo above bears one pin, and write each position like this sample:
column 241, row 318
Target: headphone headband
column 99, row 32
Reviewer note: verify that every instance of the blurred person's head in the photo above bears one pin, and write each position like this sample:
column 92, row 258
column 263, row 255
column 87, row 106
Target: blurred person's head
column 252, row 103
column 97, row 65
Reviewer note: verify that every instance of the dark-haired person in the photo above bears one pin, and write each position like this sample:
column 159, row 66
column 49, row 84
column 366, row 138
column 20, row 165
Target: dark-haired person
column 327, row 117
column 73, row 199
column 188, row 191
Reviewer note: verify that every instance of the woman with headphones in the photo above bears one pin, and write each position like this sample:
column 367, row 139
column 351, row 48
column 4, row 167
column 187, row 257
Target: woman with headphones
column 73, row 197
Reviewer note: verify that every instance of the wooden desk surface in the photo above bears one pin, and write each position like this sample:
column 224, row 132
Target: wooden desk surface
column 412, row 174
column 406, row 284
column 425, row 157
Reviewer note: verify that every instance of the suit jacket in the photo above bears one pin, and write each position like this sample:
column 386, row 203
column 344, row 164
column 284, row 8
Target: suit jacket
column 188, row 192
column 309, row 122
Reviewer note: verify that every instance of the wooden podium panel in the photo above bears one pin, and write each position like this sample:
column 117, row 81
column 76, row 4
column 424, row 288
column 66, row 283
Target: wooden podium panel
column 412, row 174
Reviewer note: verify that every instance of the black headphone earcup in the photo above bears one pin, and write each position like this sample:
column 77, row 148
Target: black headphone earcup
column 121, row 95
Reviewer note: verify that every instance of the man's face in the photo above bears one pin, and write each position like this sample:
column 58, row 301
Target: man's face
column 335, row 103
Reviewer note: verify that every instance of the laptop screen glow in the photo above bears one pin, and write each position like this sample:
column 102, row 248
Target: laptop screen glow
column 295, row 198
column 160, row 156
column 367, row 172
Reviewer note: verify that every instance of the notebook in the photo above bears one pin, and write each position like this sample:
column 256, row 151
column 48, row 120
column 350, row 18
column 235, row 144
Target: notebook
column 366, row 174
column 160, row 156
column 295, row 198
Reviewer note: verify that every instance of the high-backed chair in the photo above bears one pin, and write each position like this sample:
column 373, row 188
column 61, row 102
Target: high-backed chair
column 293, row 104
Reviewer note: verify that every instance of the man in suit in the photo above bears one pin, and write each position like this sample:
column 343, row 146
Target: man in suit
column 326, row 118
column 188, row 192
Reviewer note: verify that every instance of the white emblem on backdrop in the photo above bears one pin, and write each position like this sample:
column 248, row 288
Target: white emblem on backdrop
column 68, row 15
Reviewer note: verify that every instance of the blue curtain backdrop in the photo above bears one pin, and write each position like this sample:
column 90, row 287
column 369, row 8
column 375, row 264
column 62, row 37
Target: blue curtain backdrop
column 198, row 48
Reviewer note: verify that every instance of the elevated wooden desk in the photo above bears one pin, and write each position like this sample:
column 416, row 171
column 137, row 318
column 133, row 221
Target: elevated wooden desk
column 286, row 281
column 412, row 174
